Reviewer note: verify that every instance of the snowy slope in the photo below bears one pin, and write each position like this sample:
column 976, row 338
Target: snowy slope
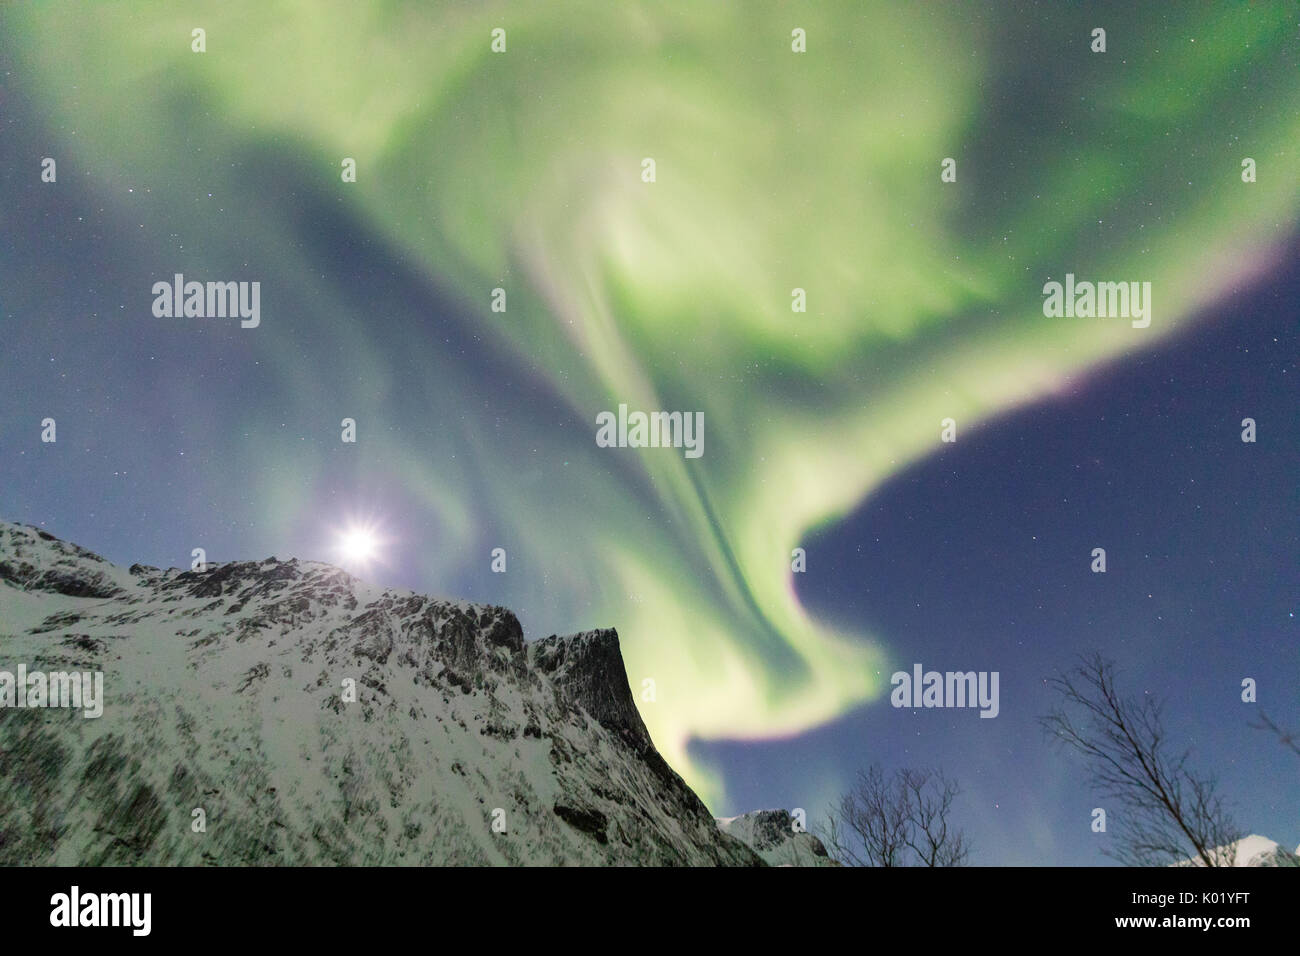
column 771, row 834
column 223, row 691
column 1256, row 850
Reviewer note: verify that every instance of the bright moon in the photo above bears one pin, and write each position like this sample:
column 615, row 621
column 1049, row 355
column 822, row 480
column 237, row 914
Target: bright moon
column 357, row 545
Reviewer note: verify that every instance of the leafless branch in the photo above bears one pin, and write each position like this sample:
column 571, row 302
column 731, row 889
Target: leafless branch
column 1288, row 738
column 896, row 821
column 1168, row 812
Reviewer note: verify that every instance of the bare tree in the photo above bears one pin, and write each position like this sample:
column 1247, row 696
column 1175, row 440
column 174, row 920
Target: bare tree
column 896, row 821
column 1169, row 813
column 1281, row 856
column 1287, row 737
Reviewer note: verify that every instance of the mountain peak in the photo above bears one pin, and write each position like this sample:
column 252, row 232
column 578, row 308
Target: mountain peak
column 588, row 670
column 313, row 718
column 35, row 560
column 774, row 836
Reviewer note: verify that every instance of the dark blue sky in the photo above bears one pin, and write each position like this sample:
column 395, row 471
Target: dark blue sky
column 978, row 558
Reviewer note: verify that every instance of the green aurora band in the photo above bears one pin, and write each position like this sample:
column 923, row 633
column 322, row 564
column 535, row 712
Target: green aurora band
column 775, row 170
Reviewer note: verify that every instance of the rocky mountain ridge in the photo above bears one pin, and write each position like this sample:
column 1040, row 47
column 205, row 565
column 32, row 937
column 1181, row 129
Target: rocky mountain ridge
column 230, row 736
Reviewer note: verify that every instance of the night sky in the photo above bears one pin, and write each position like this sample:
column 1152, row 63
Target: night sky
column 775, row 170
column 979, row 557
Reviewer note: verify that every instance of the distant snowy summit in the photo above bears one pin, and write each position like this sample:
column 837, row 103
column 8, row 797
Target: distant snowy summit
column 772, row 834
column 1256, row 850
column 284, row 712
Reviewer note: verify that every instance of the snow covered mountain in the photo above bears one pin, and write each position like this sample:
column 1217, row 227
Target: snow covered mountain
column 228, row 735
column 1255, row 850
column 771, row 834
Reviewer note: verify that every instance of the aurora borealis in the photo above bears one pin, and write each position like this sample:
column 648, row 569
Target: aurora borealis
column 522, row 170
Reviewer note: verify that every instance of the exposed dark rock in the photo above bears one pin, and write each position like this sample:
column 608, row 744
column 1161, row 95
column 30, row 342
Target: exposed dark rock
column 456, row 722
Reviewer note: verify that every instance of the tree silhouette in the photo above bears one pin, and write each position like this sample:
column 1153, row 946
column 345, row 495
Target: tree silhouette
column 1168, row 812
column 896, row 821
